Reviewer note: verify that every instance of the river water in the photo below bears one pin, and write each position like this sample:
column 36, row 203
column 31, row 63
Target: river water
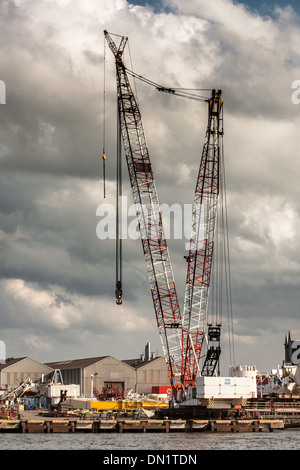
column 181, row 442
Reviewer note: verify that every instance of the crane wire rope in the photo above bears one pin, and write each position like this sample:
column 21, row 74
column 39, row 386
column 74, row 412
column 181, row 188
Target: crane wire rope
column 119, row 215
column 104, row 119
column 119, row 248
column 132, row 74
column 118, row 220
column 228, row 276
column 221, row 286
column 176, row 91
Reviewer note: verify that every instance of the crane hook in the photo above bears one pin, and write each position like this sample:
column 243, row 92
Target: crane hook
column 119, row 293
column 104, row 159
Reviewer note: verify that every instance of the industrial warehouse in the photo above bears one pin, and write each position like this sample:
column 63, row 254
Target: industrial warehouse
column 101, row 377
column 134, row 395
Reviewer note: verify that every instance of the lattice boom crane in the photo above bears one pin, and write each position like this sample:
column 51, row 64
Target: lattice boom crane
column 182, row 335
column 160, row 274
column 200, row 257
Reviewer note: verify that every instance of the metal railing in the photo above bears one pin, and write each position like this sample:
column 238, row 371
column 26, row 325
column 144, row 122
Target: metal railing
column 269, row 408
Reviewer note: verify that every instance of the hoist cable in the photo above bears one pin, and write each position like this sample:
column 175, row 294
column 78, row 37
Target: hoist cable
column 104, row 119
column 119, row 291
column 174, row 91
column 133, row 75
column 228, row 283
column 119, row 198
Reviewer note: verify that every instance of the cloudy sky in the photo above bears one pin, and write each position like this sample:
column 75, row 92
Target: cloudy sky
column 57, row 277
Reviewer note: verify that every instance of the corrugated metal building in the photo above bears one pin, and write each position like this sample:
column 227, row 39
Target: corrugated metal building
column 139, row 375
column 149, row 373
column 17, row 370
column 96, row 372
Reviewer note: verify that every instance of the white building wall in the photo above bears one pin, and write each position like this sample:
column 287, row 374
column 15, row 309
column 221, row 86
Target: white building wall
column 107, row 370
column 152, row 373
column 16, row 373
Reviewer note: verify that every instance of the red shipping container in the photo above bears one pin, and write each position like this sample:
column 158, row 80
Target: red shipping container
column 166, row 389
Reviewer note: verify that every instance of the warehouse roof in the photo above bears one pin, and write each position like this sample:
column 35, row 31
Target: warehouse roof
column 82, row 363
column 136, row 363
column 75, row 363
column 10, row 361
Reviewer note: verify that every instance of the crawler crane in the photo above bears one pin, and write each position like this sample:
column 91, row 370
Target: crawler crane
column 182, row 333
